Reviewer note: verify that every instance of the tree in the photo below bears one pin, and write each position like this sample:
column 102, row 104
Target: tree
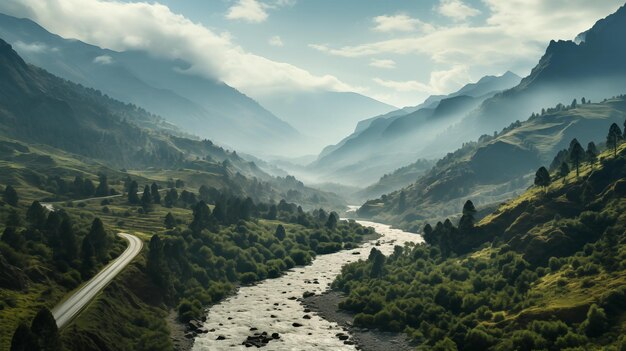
column 331, row 223
column 596, row 323
column 87, row 253
column 36, row 215
column 402, row 202
column 201, row 217
column 146, row 198
column 13, row 219
column 280, row 232
column 564, row 170
column 44, row 327
column 542, row 177
column 591, row 153
column 171, row 198
column 378, row 262
column 467, row 219
column 67, row 241
column 103, row 186
column 614, row 137
column 156, row 262
column 576, row 154
column 12, row 238
column 88, row 188
column 272, row 213
column 583, row 100
column 574, row 103
column 428, row 234
column 170, row 221
column 23, row 339
column 10, row 196
column 154, row 192
column 99, row 239
column 133, row 189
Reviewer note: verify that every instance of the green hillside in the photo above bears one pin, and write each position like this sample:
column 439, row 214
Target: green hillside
column 496, row 167
column 545, row 271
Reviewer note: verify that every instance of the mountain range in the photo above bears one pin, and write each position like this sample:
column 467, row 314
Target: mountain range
column 204, row 107
column 381, row 144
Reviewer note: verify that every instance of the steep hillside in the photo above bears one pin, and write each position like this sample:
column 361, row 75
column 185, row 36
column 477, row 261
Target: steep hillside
column 80, row 123
column 495, row 168
column 593, row 67
column 545, row 271
column 207, row 108
column 382, row 144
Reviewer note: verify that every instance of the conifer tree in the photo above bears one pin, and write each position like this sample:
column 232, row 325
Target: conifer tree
column 45, row 330
column 103, row 186
column 467, row 219
column 591, row 153
column 154, row 192
column 614, row 137
column 542, row 177
column 170, row 221
column 576, row 154
column 10, row 196
column 133, row 189
column 23, row 339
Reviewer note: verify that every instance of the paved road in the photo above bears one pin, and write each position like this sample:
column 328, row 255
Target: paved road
column 68, row 309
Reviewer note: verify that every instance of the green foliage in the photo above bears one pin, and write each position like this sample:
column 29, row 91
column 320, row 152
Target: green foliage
column 44, row 329
column 596, row 322
column 10, row 196
column 542, row 177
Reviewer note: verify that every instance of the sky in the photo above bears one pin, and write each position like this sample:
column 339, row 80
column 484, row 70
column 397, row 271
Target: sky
column 398, row 52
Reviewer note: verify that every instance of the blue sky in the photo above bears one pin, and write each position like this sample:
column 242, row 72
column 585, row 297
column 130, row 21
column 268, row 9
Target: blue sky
column 399, row 52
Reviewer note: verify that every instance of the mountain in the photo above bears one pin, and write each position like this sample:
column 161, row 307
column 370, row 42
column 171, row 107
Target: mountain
column 495, row 167
column 81, row 125
column 590, row 66
column 207, row 108
column 390, row 141
column 326, row 116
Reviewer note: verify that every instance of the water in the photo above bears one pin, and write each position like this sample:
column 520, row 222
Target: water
column 271, row 306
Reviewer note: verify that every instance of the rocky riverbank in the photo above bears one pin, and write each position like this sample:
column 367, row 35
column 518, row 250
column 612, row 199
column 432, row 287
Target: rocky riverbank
column 326, row 306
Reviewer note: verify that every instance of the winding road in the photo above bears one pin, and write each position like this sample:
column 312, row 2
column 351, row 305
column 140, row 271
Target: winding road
column 65, row 311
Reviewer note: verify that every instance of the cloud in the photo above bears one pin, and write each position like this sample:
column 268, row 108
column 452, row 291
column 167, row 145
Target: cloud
column 247, row 10
column 515, row 31
column 456, row 10
column 276, row 41
column 34, row 48
column 399, row 23
column 384, row 63
column 103, row 60
column 441, row 82
column 154, row 28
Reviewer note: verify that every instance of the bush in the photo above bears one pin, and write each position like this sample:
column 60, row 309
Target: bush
column 248, row 278
column 596, row 323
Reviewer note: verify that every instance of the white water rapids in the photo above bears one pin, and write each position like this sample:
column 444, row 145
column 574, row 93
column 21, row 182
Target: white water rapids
column 271, row 305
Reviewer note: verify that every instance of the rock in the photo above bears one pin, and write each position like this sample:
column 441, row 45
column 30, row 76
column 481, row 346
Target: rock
column 342, row 336
column 296, row 324
column 349, row 342
column 221, row 337
column 307, row 310
column 292, row 298
column 275, row 336
column 306, row 316
column 253, row 329
column 273, row 316
column 356, row 253
column 202, row 330
column 308, row 294
column 190, row 335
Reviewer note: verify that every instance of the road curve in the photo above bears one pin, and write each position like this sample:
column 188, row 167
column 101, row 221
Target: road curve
column 65, row 311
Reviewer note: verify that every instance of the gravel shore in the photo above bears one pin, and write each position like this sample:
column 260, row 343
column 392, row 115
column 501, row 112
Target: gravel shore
column 326, row 305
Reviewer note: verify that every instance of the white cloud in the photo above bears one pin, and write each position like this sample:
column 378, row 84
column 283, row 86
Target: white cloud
column 456, row 9
column 247, row 10
column 103, row 60
column 383, row 63
column 515, row 31
column 34, row 48
column 399, row 23
column 154, row 28
column 441, row 82
column 276, row 41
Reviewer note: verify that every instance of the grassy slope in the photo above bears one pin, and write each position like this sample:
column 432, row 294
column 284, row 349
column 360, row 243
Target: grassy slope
column 494, row 170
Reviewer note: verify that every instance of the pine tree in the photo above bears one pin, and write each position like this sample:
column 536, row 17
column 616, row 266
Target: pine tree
column 133, row 189
column 67, row 238
column 156, row 264
column 331, row 223
column 171, row 198
column 614, row 137
column 146, row 198
column 280, row 232
column 564, row 169
column 272, row 213
column 467, row 219
column 103, row 186
column 87, row 253
column 591, row 153
column 36, row 215
column 23, row 339
column 154, row 192
column 576, row 154
column 201, row 217
column 99, row 239
column 542, row 177
column 12, row 238
column 428, row 234
column 88, row 188
column 402, row 202
column 10, row 196
column 45, row 330
column 170, row 221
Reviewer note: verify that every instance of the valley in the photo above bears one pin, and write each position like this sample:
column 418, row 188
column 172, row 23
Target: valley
column 231, row 175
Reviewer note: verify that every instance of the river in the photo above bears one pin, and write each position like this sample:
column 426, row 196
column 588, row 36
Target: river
column 271, row 305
